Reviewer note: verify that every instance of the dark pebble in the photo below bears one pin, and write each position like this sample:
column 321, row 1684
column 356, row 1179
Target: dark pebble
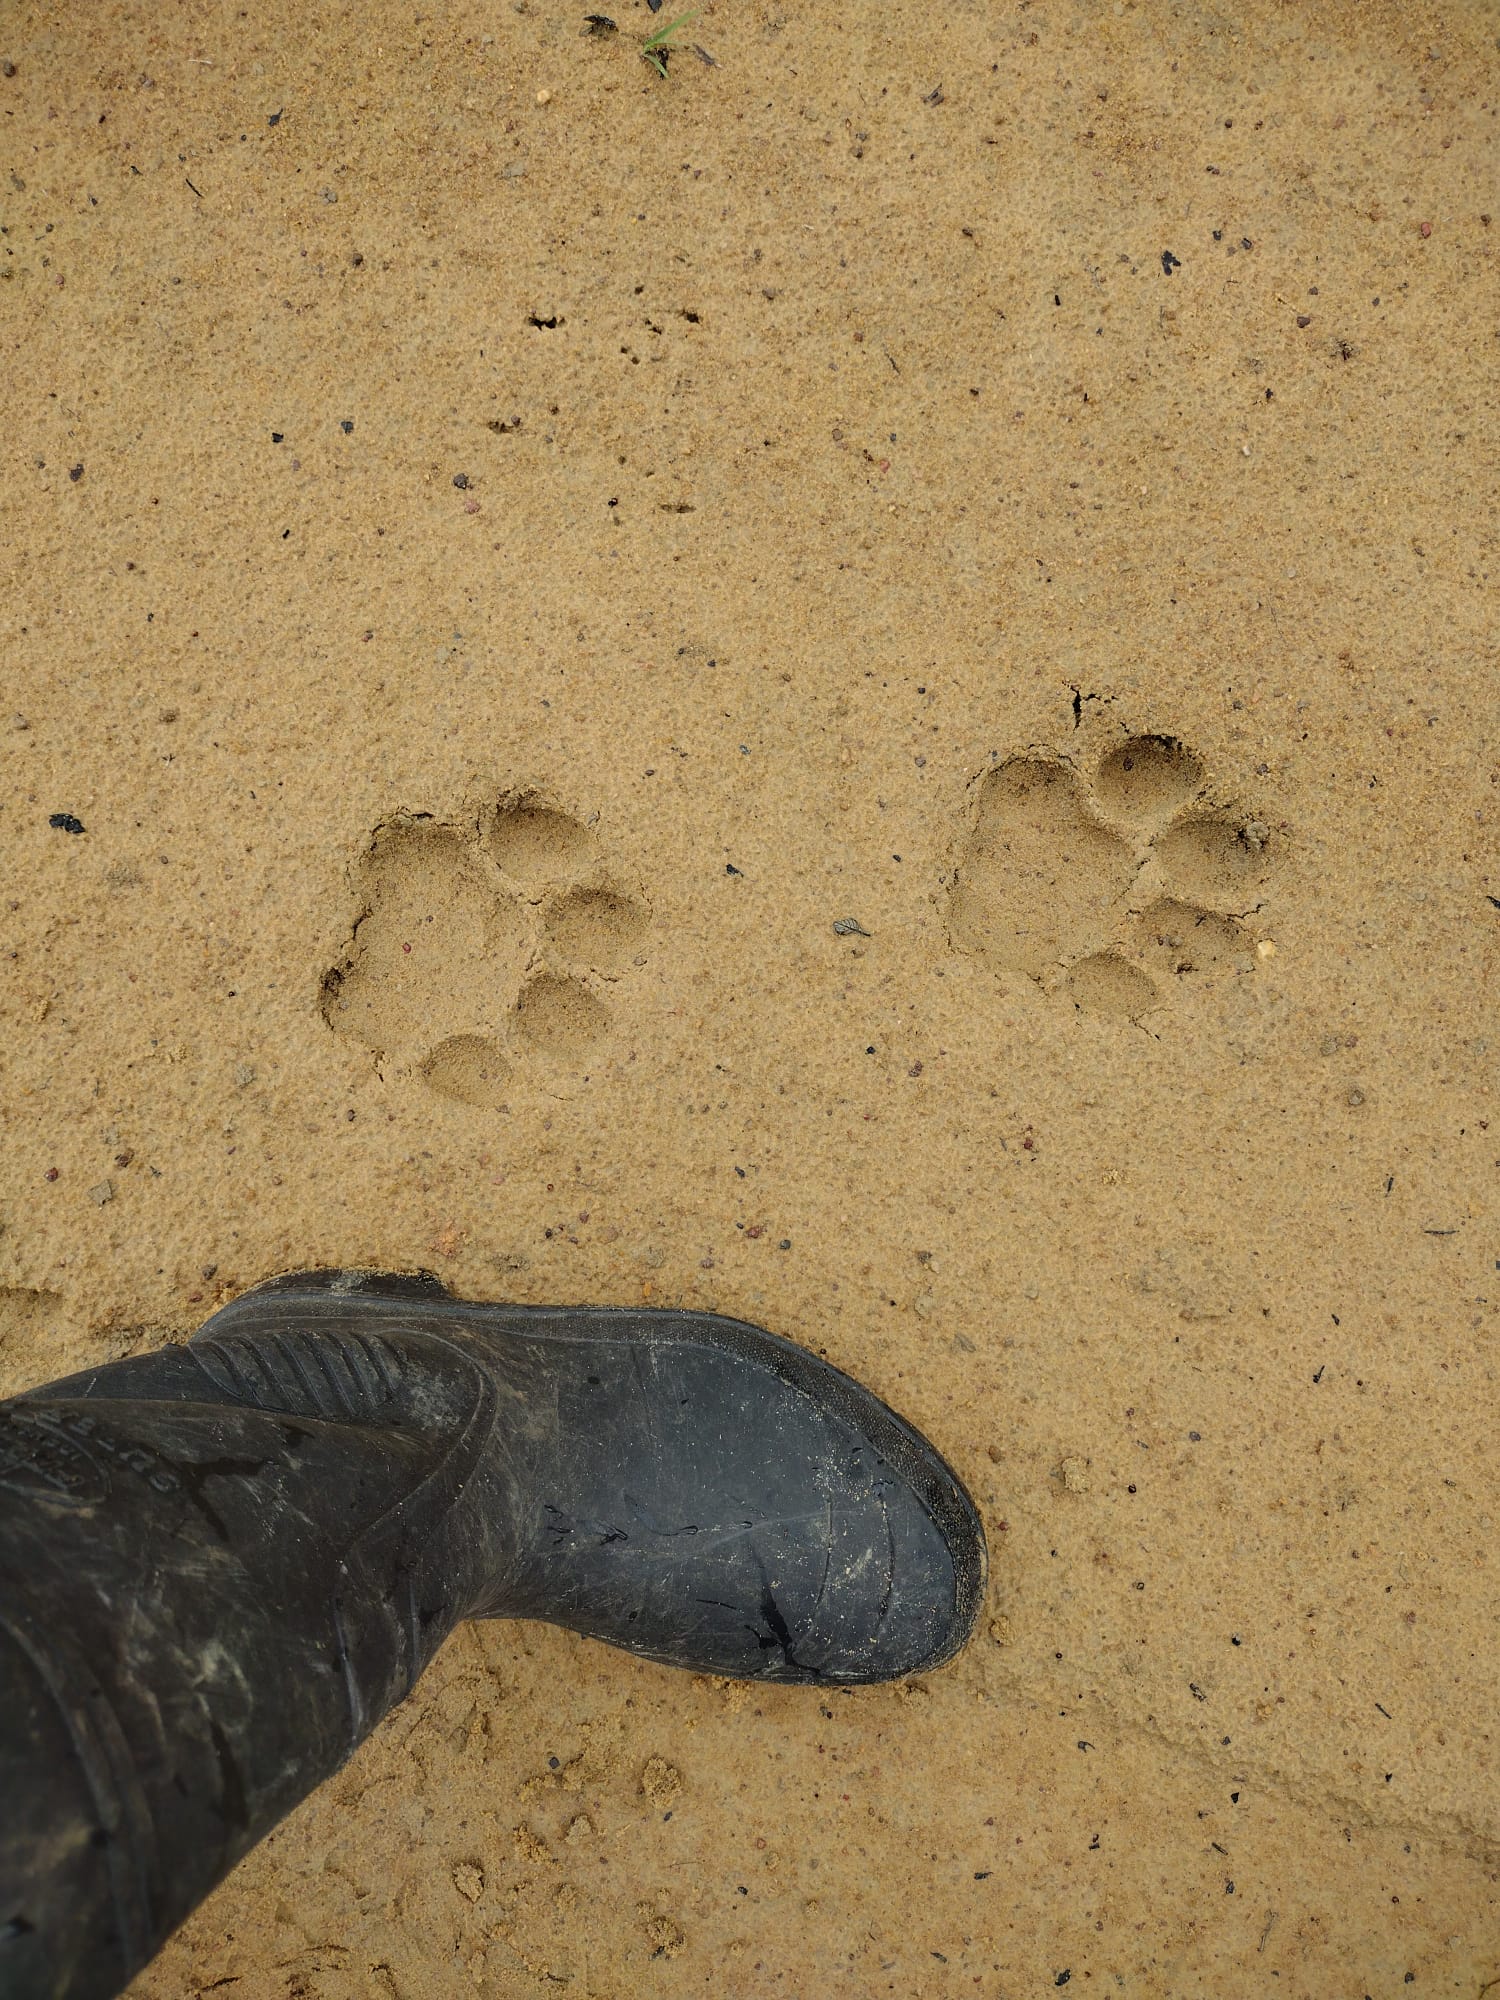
column 66, row 823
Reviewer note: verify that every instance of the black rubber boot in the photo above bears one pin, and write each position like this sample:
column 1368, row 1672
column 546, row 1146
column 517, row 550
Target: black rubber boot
column 222, row 1564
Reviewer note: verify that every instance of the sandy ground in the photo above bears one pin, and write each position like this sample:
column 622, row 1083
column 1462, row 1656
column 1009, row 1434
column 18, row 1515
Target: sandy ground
column 1016, row 476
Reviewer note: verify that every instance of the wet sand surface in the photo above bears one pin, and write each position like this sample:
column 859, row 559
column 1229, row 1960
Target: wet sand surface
column 855, row 688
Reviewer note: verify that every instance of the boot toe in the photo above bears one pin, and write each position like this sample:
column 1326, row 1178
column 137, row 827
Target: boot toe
column 743, row 1508
column 897, row 1596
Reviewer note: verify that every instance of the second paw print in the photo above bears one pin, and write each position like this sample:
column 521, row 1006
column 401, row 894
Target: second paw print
column 481, row 951
column 1112, row 890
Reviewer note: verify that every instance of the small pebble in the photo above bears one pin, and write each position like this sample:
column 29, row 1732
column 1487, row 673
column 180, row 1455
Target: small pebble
column 104, row 1192
column 544, row 97
column 66, row 822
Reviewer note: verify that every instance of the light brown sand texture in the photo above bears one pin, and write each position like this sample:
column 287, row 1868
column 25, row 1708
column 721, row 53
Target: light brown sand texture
column 502, row 584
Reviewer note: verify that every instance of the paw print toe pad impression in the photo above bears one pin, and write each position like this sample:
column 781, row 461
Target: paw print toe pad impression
column 534, row 845
column 598, row 928
column 1148, row 778
column 1224, row 864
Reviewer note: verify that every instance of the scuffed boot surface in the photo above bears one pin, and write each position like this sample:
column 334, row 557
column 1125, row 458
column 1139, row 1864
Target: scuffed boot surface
column 222, row 1564
column 690, row 1488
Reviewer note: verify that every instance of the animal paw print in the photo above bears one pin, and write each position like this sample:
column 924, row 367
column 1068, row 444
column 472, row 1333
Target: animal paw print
column 1115, row 890
column 478, row 950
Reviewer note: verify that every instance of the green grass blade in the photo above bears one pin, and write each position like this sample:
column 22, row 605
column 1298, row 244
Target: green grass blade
column 658, row 39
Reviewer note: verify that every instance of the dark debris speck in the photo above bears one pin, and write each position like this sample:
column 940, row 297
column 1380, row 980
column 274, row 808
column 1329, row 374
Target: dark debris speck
column 66, row 822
